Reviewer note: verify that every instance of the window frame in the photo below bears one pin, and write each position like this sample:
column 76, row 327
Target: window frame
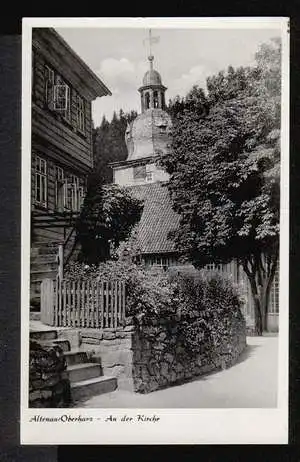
column 73, row 194
column 54, row 83
column 41, row 180
column 149, row 175
column 65, row 111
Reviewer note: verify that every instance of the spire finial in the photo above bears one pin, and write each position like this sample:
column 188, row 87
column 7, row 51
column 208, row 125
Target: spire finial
column 151, row 59
column 151, row 40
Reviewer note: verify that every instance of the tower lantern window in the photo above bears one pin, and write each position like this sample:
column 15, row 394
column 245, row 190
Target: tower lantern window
column 147, row 100
column 155, row 99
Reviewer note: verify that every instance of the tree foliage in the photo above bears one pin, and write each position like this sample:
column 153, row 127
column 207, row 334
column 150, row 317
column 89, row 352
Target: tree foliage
column 224, row 171
column 109, row 145
column 108, row 216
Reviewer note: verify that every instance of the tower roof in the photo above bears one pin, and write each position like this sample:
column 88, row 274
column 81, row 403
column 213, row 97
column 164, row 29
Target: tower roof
column 152, row 77
column 148, row 134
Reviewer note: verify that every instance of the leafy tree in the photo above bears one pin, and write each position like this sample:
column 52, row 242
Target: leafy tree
column 224, row 172
column 108, row 216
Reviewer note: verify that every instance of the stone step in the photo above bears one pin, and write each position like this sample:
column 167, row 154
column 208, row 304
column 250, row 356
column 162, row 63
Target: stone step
column 76, row 357
column 87, row 388
column 85, row 371
column 43, row 335
column 63, row 343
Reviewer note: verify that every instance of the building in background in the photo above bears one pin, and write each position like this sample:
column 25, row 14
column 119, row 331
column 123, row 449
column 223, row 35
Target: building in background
column 148, row 137
column 63, row 88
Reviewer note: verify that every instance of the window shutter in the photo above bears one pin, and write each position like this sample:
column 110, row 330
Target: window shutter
column 49, row 83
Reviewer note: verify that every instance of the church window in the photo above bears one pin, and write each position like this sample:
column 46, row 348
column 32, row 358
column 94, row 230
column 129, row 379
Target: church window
column 149, row 176
column 139, row 172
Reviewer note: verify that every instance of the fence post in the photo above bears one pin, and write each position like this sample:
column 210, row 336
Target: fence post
column 60, row 259
column 47, row 302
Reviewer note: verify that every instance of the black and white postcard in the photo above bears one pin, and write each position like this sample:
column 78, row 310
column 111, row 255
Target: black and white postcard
column 155, row 250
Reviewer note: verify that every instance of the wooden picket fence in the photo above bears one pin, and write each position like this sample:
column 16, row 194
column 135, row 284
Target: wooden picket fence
column 83, row 303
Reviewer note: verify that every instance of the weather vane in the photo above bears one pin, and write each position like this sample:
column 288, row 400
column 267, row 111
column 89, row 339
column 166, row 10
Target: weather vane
column 151, row 39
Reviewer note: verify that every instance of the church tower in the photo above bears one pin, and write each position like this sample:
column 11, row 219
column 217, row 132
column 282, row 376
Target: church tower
column 152, row 91
column 148, row 136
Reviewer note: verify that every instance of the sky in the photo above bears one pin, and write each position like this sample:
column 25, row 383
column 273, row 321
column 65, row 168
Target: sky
column 183, row 57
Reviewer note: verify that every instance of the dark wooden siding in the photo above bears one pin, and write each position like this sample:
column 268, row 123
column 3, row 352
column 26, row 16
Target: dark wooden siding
column 51, row 126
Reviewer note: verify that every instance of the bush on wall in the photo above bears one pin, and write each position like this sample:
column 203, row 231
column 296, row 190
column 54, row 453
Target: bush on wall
column 210, row 308
column 201, row 308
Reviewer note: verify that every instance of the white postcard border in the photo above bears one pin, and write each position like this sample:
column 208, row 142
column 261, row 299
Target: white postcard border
column 175, row 426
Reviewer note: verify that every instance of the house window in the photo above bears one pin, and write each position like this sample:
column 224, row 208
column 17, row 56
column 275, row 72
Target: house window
column 62, row 98
column 73, row 194
column 71, row 187
column 40, row 192
column 49, row 85
column 159, row 261
column 80, row 113
column 57, row 93
column 274, row 296
column 139, row 172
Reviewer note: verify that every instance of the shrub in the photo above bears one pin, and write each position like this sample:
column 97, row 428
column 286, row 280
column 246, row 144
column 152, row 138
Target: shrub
column 209, row 310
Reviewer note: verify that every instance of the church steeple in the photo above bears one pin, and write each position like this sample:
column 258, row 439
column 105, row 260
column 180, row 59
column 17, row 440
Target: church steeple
column 152, row 91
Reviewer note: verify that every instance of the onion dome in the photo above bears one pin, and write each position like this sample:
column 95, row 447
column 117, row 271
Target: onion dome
column 152, row 77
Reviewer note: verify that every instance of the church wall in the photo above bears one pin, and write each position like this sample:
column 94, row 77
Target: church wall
column 125, row 176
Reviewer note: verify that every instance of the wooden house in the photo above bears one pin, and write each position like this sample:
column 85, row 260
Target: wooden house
column 63, row 88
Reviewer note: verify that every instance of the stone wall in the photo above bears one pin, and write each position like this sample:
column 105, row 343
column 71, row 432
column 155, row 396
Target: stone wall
column 144, row 360
column 114, row 350
column 48, row 381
